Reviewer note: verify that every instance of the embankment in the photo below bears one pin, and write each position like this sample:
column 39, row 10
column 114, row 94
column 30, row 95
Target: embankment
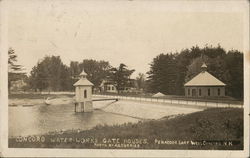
column 216, row 128
column 145, row 110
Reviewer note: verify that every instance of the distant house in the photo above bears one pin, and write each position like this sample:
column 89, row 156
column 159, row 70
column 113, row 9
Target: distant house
column 110, row 87
column 204, row 85
column 17, row 85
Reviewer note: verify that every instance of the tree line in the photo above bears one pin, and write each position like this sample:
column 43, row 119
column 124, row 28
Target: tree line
column 51, row 74
column 168, row 72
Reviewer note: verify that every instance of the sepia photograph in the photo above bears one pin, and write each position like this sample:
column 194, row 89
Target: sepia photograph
column 126, row 78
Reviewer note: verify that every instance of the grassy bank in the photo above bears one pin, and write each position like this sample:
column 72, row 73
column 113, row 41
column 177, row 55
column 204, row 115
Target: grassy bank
column 214, row 126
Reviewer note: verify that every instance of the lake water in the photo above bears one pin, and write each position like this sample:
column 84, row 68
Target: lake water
column 40, row 119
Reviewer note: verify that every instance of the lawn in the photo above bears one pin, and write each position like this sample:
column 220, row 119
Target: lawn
column 208, row 129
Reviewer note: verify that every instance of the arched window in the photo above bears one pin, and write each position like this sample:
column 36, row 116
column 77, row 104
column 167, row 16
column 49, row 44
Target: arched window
column 85, row 93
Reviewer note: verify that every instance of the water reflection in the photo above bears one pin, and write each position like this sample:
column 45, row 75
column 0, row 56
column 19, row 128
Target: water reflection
column 41, row 119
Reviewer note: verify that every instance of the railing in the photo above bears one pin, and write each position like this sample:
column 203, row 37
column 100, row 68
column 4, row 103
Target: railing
column 200, row 103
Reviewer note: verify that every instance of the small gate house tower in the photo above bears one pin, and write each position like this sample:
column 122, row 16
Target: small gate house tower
column 83, row 94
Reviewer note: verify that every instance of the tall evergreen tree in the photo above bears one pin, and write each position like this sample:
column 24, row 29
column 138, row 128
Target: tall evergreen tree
column 121, row 76
column 162, row 74
column 14, row 70
column 235, row 82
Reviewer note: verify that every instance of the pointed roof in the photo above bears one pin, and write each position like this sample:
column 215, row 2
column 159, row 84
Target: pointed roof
column 204, row 79
column 159, row 94
column 83, row 81
column 83, row 73
column 203, row 65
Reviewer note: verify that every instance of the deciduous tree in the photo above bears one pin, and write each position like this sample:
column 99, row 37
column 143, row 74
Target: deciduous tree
column 50, row 74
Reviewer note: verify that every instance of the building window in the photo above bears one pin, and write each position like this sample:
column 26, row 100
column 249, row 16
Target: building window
column 85, row 93
column 208, row 92
column 218, row 91
column 108, row 88
column 112, row 87
column 188, row 91
column 199, row 92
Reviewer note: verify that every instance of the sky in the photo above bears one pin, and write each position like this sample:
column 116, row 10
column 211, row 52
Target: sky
column 129, row 32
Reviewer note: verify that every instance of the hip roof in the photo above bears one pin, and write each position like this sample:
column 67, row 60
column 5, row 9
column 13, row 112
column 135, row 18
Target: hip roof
column 204, row 79
column 83, row 82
